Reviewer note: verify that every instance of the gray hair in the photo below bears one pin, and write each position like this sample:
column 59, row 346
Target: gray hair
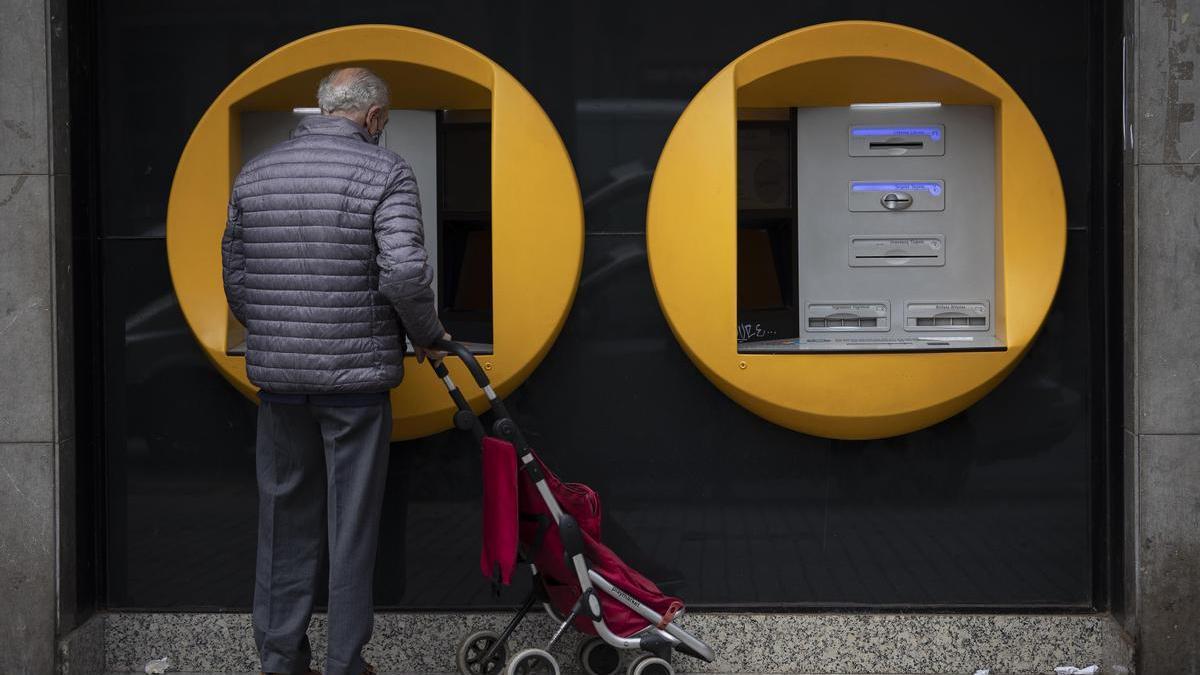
column 352, row 90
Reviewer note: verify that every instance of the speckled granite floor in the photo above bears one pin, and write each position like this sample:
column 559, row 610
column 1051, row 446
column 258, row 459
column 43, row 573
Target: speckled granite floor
column 744, row 643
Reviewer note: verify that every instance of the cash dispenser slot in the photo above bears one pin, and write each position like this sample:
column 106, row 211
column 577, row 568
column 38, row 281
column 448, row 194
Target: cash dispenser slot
column 941, row 316
column 847, row 317
column 897, row 251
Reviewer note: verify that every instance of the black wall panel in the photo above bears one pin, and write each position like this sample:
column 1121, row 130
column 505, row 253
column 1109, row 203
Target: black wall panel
column 995, row 507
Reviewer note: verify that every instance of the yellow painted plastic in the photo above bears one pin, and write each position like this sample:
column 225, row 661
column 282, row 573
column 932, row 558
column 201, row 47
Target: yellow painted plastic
column 691, row 230
column 537, row 216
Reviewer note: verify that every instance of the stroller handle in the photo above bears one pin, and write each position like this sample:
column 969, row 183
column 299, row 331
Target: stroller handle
column 460, row 350
column 465, row 417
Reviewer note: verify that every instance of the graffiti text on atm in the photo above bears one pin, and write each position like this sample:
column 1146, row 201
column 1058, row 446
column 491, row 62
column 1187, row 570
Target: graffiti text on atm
column 753, row 331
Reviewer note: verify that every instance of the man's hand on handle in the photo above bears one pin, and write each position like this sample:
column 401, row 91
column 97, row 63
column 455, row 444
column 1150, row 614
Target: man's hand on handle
column 433, row 355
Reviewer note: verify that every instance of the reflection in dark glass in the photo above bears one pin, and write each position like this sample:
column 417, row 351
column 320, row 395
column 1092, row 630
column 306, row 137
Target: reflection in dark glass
column 181, row 495
column 988, row 508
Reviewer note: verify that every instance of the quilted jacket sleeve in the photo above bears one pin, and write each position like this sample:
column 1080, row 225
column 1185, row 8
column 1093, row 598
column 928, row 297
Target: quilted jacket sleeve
column 233, row 262
column 405, row 275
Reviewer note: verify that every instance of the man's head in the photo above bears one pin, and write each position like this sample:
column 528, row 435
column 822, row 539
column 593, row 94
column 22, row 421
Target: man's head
column 356, row 94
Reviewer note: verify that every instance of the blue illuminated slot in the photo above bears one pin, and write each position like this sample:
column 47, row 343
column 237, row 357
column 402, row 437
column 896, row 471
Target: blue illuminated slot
column 932, row 188
column 933, row 133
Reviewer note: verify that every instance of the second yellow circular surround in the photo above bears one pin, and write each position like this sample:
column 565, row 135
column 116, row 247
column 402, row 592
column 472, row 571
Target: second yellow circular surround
column 691, row 230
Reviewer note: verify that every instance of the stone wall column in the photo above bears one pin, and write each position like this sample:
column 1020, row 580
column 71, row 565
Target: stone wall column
column 37, row 579
column 1162, row 361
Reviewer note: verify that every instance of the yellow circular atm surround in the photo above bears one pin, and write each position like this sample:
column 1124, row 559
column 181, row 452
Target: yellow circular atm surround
column 691, row 230
column 537, row 217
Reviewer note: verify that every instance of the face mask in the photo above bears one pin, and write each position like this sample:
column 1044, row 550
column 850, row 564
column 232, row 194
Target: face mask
column 374, row 136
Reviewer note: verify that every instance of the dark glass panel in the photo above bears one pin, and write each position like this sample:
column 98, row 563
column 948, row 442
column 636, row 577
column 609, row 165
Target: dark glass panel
column 988, row 508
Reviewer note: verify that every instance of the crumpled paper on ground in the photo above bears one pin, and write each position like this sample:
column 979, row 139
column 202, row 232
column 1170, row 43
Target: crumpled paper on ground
column 1072, row 670
column 157, row 666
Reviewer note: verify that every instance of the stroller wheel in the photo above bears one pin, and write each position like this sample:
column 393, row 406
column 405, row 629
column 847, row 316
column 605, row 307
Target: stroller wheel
column 599, row 658
column 651, row 665
column 533, row 662
column 472, row 650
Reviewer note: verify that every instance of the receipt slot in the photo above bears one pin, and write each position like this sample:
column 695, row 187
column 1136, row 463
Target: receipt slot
column 856, row 229
column 450, row 155
column 502, row 213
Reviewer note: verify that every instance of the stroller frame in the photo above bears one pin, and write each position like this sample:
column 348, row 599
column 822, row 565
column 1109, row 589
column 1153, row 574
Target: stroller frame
column 660, row 637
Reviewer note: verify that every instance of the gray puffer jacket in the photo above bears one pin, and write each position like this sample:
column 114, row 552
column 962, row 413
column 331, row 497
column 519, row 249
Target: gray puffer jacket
column 322, row 250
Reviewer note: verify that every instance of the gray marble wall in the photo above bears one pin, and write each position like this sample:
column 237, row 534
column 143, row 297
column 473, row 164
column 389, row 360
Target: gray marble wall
column 36, row 424
column 1162, row 366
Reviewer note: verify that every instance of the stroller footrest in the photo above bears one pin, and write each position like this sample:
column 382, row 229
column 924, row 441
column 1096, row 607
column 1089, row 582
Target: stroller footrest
column 657, row 644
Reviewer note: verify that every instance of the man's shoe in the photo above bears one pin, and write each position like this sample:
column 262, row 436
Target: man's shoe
column 310, row 672
column 368, row 669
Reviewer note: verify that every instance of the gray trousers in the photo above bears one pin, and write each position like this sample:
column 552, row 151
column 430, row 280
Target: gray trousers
column 321, row 473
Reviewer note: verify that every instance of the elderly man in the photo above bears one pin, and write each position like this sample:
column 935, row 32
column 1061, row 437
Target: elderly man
column 325, row 265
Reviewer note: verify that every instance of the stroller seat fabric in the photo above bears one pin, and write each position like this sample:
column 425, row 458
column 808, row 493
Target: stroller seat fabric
column 542, row 545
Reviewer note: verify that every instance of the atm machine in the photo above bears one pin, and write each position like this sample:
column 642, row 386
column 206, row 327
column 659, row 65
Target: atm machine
column 450, row 154
column 893, row 229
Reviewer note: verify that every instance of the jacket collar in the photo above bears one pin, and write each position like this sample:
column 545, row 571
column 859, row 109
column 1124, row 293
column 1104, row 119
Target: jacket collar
column 330, row 125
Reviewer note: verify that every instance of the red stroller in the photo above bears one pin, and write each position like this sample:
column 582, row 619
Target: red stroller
column 555, row 527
